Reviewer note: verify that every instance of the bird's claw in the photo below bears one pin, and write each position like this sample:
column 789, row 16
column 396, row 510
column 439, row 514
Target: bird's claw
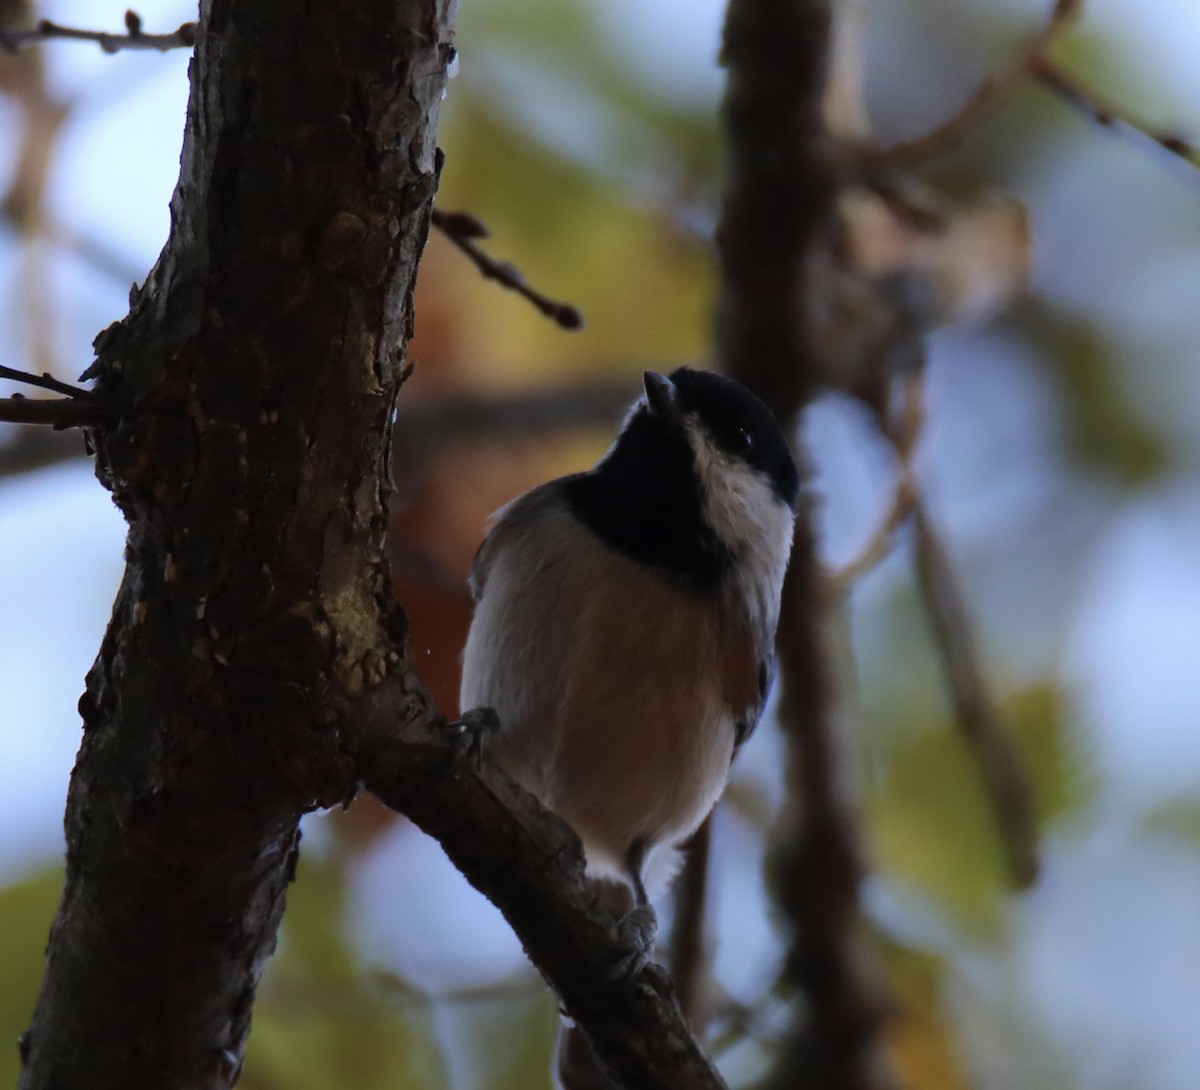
column 636, row 932
column 469, row 734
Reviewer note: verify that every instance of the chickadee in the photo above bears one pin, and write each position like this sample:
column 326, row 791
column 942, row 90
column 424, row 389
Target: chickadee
column 624, row 626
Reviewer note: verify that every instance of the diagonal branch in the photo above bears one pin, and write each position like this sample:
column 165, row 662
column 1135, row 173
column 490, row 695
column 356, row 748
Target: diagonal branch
column 1004, row 776
column 530, row 864
column 79, row 409
column 987, row 96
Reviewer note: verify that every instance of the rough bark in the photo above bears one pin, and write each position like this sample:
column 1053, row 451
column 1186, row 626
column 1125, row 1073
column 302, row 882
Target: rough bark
column 255, row 376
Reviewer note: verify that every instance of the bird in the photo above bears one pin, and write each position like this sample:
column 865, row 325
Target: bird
column 622, row 643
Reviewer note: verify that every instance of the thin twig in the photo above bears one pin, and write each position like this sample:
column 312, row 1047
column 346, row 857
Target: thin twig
column 462, row 229
column 49, row 382
column 990, row 93
column 59, row 413
column 182, row 37
column 904, row 439
column 1051, row 76
column 1001, row 767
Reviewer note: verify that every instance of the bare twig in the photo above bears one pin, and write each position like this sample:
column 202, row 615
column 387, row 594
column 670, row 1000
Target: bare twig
column 993, row 91
column 462, row 229
column 182, row 37
column 49, row 382
column 1000, row 765
column 59, row 413
column 1051, row 76
column 689, row 948
column 904, row 438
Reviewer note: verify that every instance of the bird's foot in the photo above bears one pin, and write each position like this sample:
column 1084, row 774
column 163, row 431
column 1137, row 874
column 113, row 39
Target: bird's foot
column 470, row 733
column 636, row 932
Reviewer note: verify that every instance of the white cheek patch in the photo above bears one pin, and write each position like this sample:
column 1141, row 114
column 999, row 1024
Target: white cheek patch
column 738, row 501
column 740, row 506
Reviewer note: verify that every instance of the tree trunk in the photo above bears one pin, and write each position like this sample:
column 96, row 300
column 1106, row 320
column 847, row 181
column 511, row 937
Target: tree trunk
column 255, row 378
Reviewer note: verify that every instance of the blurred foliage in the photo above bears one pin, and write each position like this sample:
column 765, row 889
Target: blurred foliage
column 318, row 1021
column 26, row 907
column 925, row 1051
column 931, row 822
column 325, row 1018
column 1178, row 817
column 578, row 226
column 1103, row 429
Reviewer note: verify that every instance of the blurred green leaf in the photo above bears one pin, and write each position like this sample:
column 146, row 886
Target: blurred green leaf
column 512, row 1038
column 1040, row 719
column 933, row 828
column 311, row 939
column 932, row 821
column 26, row 910
column 318, row 1021
column 338, row 1045
column 1103, row 428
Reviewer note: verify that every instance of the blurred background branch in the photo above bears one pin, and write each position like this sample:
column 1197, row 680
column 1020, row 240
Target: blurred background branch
column 991, row 93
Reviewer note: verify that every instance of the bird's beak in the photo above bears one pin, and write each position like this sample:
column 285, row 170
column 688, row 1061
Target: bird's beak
column 660, row 396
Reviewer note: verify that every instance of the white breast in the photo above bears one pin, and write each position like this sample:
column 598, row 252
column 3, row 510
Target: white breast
column 610, row 682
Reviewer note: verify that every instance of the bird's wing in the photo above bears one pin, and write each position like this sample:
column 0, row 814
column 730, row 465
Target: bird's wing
column 508, row 526
column 745, row 724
